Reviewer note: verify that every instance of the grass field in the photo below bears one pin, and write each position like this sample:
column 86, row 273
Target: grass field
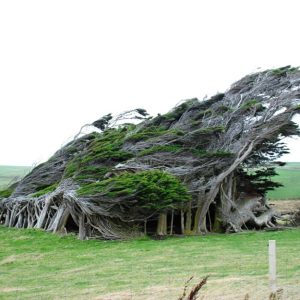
column 39, row 265
column 289, row 176
column 9, row 174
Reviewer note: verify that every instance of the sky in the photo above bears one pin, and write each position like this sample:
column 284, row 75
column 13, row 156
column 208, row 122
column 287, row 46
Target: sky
column 64, row 64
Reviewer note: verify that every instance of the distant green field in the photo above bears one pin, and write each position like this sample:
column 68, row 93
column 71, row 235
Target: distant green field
column 10, row 174
column 289, row 176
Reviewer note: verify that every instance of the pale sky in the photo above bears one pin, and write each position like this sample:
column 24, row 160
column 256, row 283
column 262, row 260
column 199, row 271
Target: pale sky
column 67, row 63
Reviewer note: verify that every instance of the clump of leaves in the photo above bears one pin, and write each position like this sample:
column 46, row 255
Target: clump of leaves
column 107, row 146
column 147, row 133
column 203, row 153
column 177, row 112
column 92, row 173
column 284, row 70
column 151, row 190
column 223, row 109
column 103, row 122
column 249, row 104
column 103, row 151
column 43, row 190
column 161, row 148
column 252, row 104
column 204, row 113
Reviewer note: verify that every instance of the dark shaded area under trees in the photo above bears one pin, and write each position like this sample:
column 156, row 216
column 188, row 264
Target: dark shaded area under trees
column 204, row 166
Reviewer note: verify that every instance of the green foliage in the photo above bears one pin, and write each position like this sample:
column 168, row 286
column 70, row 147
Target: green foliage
column 284, row 70
column 222, row 109
column 252, row 103
column 71, row 149
column 107, row 152
column 204, row 113
column 147, row 133
column 161, row 148
column 154, row 190
column 6, row 192
column 103, row 122
column 43, row 190
column 289, row 129
column 104, row 151
column 177, row 112
column 71, row 168
column 107, row 146
column 88, row 173
column 177, row 132
column 203, row 153
column 258, row 180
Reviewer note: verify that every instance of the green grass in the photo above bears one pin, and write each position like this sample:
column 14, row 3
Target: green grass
column 289, row 176
column 39, row 265
column 9, row 174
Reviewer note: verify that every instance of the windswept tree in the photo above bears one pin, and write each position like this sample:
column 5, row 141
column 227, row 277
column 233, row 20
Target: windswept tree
column 205, row 165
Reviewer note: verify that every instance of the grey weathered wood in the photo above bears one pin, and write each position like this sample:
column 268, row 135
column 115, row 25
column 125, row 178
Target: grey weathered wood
column 272, row 266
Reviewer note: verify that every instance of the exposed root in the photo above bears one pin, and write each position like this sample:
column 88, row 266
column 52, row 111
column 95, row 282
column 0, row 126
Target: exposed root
column 52, row 212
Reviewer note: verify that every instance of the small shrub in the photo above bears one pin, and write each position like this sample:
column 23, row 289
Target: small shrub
column 92, row 173
column 161, row 148
column 251, row 104
column 204, row 113
column 43, row 190
column 147, row 133
column 71, row 168
column 152, row 190
column 203, row 153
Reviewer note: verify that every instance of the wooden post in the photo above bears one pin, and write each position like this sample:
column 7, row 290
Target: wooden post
column 272, row 265
column 82, row 229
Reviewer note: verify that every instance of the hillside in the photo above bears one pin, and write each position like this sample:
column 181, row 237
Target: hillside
column 10, row 174
column 185, row 172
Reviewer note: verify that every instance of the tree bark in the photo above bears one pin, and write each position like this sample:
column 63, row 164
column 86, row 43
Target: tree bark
column 162, row 224
column 145, row 227
column 172, row 222
column 199, row 227
column 182, row 221
column 217, row 226
column 188, row 220
column 41, row 219
column 243, row 154
column 82, row 229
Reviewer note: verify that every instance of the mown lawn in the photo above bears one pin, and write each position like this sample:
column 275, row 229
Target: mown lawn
column 39, row 265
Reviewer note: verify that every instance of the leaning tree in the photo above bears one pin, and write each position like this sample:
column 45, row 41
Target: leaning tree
column 205, row 165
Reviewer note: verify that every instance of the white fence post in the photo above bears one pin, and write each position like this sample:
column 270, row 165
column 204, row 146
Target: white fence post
column 272, row 265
